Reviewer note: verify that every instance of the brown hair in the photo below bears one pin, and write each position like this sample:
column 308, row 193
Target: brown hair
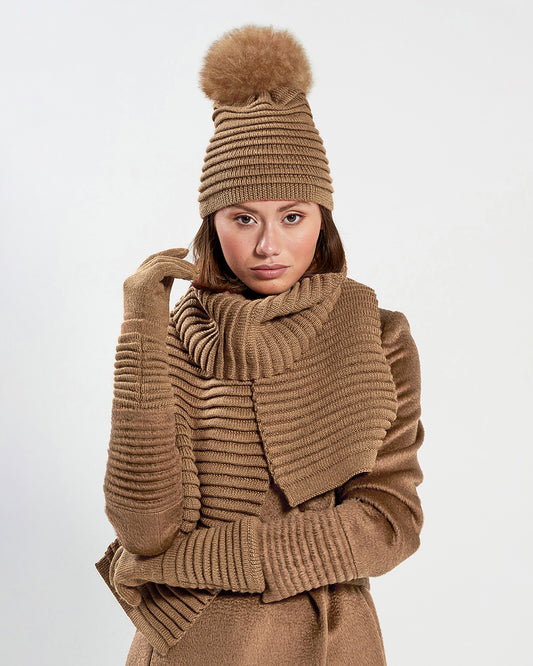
column 215, row 274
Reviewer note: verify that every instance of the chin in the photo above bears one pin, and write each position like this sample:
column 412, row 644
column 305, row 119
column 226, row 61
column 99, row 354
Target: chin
column 267, row 288
column 265, row 291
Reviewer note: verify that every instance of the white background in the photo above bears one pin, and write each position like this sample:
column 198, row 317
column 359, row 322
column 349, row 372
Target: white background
column 426, row 112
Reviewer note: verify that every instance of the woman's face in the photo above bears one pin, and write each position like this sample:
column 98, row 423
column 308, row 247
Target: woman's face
column 269, row 245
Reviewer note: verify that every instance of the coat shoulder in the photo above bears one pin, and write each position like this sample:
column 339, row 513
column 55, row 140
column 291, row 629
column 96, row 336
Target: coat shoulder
column 391, row 319
column 399, row 346
column 394, row 326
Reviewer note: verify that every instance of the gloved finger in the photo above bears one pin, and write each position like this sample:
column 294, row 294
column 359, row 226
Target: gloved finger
column 180, row 269
column 113, row 565
column 179, row 252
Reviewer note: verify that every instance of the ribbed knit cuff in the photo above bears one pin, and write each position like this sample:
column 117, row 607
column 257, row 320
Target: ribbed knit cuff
column 221, row 557
column 141, row 378
column 304, row 551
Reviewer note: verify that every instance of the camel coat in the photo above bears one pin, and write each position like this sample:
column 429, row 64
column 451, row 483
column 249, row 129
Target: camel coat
column 262, row 467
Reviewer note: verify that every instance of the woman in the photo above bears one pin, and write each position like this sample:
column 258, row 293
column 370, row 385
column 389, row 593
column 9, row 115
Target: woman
column 263, row 453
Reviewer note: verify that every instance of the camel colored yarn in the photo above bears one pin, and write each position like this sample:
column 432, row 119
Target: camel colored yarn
column 205, row 470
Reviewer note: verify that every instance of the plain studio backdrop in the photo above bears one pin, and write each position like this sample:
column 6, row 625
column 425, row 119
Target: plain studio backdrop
column 425, row 110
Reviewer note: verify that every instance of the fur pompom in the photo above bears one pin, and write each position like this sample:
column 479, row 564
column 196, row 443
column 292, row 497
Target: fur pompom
column 251, row 60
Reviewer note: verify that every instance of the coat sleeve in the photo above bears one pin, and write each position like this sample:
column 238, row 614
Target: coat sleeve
column 377, row 521
column 143, row 485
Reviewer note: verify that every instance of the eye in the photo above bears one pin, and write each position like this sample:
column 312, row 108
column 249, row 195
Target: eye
column 292, row 218
column 245, row 220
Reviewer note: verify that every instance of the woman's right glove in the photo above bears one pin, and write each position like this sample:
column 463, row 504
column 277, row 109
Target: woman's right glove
column 147, row 291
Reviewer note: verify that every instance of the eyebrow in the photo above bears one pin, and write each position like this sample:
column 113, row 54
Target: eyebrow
column 250, row 209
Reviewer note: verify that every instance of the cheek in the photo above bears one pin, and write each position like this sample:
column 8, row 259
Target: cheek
column 306, row 244
column 233, row 247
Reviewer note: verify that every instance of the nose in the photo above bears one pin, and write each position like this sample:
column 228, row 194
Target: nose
column 268, row 244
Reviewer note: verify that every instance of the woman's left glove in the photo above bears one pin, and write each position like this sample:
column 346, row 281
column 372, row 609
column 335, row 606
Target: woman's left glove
column 224, row 557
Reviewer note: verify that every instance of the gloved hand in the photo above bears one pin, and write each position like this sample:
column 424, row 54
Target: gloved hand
column 223, row 557
column 147, row 291
column 128, row 571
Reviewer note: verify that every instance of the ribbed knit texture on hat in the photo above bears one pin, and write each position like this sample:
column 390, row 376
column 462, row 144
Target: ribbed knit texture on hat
column 266, row 149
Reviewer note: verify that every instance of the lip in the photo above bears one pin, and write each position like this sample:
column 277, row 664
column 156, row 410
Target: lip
column 269, row 271
column 268, row 267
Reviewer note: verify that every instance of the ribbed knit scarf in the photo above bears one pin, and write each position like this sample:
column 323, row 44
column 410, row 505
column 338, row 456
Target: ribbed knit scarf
column 322, row 388
column 322, row 392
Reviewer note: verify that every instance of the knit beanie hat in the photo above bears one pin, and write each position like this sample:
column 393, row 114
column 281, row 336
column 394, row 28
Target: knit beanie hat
column 265, row 145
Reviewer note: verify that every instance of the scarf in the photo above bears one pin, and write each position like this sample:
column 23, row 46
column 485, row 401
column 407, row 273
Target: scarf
column 322, row 393
column 322, row 389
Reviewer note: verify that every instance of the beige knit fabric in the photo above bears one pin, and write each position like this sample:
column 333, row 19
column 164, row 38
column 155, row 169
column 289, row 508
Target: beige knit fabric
column 195, row 470
column 266, row 340
column 334, row 624
column 268, row 148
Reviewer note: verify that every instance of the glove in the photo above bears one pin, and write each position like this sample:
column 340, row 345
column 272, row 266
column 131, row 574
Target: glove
column 222, row 557
column 128, row 572
column 147, row 291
